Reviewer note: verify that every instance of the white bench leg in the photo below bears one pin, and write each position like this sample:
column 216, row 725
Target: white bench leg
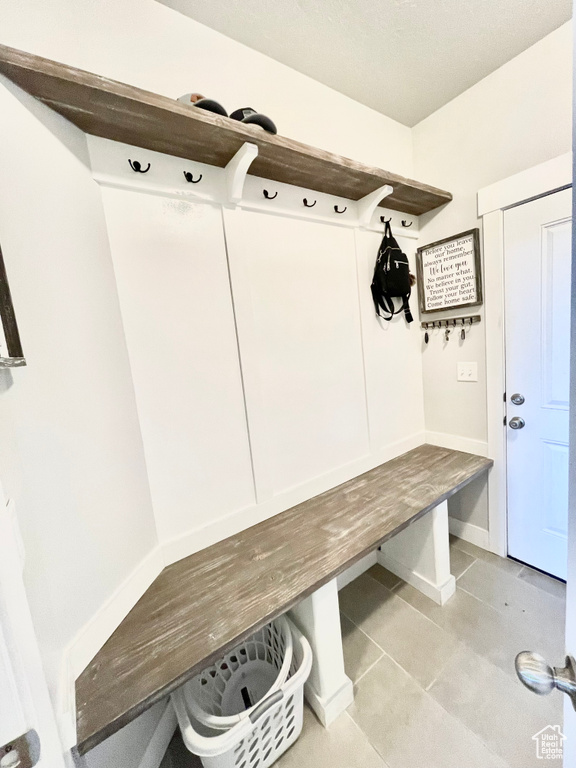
column 420, row 554
column 328, row 690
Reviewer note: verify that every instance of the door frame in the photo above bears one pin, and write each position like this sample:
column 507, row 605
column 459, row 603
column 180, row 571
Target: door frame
column 546, row 178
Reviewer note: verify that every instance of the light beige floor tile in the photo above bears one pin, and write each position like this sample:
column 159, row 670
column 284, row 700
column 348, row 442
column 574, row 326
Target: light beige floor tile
column 497, row 708
column 496, row 636
column 503, row 563
column 460, row 561
column 514, row 596
column 543, row 582
column 342, row 745
column 384, row 576
column 360, row 653
column 416, row 643
column 409, row 728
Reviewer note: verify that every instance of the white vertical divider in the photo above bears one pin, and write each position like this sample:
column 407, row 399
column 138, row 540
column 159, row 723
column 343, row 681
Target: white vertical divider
column 242, row 302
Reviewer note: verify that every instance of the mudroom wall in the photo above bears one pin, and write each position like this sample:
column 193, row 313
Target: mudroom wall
column 71, row 449
column 515, row 118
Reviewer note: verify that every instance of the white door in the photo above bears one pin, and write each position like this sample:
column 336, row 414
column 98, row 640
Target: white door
column 24, row 701
column 537, row 242
column 537, row 674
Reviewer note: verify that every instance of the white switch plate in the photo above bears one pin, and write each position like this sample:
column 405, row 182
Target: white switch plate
column 467, row 372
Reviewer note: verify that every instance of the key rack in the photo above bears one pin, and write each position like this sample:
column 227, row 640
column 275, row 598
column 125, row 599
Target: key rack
column 453, row 323
column 462, row 324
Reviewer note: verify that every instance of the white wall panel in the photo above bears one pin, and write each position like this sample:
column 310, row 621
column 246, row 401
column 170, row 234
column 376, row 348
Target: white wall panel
column 296, row 298
column 392, row 356
column 170, row 262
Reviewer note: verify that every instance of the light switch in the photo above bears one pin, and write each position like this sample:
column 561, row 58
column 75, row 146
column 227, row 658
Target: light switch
column 467, row 372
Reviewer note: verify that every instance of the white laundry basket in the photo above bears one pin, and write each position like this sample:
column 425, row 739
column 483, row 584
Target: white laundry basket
column 225, row 693
column 259, row 739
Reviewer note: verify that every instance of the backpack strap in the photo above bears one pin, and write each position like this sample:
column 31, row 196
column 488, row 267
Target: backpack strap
column 406, row 308
column 383, row 304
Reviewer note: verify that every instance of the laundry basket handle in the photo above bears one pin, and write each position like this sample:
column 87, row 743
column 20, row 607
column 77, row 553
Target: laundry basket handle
column 265, row 705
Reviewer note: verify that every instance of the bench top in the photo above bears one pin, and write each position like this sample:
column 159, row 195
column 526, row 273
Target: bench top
column 202, row 606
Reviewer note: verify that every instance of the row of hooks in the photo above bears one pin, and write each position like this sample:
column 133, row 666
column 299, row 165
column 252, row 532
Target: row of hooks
column 308, row 204
column 450, row 325
column 138, row 168
column 404, row 222
column 305, row 201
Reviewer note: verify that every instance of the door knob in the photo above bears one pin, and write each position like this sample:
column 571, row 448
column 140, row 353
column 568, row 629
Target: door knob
column 517, row 422
column 517, row 399
column 538, row 676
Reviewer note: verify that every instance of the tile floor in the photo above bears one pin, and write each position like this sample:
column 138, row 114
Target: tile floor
column 435, row 687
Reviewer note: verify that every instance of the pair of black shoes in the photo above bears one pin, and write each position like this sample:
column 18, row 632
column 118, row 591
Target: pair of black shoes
column 244, row 115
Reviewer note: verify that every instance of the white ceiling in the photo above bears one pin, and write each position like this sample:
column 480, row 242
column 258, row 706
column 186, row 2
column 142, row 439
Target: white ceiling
column 404, row 58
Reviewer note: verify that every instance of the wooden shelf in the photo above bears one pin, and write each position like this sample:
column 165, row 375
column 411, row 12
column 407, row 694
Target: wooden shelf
column 205, row 604
column 113, row 110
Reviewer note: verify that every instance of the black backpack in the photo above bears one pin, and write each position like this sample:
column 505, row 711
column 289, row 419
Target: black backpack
column 391, row 278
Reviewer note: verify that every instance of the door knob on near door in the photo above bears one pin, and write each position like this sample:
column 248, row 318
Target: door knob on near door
column 538, row 676
column 517, row 399
column 517, row 422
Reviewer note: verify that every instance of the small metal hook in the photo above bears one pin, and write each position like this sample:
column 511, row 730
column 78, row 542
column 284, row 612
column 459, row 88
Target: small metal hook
column 383, row 220
column 337, row 211
column 463, row 331
column 137, row 167
column 190, row 177
column 268, row 196
column 309, row 205
column 407, row 225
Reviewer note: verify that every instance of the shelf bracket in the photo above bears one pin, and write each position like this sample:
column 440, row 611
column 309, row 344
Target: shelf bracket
column 237, row 169
column 367, row 205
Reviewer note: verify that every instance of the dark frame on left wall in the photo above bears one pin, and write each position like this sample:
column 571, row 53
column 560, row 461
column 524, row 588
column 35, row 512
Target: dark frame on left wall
column 11, row 354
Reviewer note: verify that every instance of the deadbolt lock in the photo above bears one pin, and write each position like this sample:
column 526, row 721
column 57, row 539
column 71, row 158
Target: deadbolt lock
column 517, row 399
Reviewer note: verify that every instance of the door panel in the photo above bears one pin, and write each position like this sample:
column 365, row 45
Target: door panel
column 12, row 721
column 537, row 272
column 24, row 699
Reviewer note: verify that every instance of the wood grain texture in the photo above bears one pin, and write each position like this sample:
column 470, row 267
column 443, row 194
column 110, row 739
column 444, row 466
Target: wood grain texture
column 120, row 112
column 9, row 324
column 203, row 605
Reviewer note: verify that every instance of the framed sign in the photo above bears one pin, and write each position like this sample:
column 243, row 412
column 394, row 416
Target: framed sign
column 11, row 355
column 450, row 273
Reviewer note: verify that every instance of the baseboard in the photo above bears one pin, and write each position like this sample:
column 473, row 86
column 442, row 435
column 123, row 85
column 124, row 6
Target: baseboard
column 161, row 737
column 439, row 593
column 327, row 710
column 193, row 541
column 356, row 570
column 457, row 443
column 469, row 532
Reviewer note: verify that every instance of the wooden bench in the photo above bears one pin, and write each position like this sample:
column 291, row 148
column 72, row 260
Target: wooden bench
column 203, row 605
